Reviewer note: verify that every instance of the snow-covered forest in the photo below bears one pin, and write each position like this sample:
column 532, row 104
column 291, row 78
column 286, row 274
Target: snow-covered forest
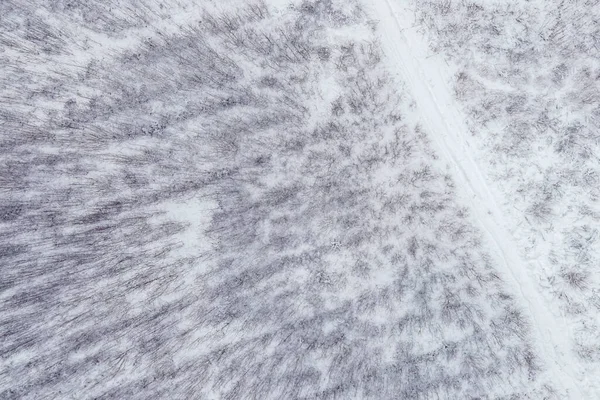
column 299, row 199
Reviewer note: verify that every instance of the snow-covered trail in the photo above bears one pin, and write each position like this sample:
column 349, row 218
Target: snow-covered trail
column 427, row 79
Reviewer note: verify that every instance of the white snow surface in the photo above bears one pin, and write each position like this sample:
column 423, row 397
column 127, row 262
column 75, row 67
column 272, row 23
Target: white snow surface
column 427, row 79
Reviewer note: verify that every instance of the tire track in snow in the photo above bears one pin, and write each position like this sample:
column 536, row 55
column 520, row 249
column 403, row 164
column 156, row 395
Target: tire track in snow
column 408, row 53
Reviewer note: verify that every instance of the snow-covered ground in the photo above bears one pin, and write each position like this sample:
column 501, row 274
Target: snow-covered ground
column 284, row 200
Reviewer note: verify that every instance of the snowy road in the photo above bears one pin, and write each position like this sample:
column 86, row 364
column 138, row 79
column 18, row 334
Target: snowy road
column 427, row 78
